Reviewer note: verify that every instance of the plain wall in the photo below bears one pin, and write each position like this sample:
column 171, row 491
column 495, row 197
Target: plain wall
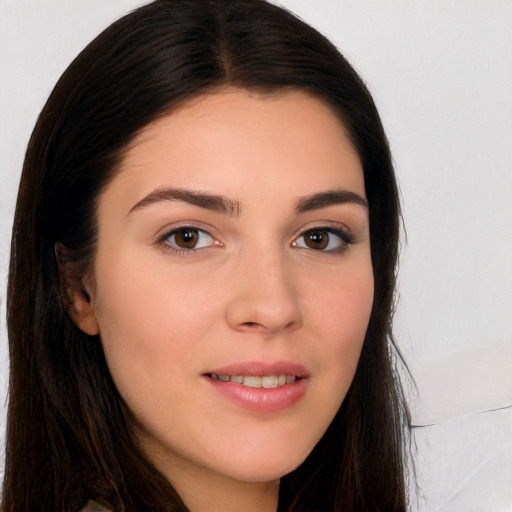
column 441, row 74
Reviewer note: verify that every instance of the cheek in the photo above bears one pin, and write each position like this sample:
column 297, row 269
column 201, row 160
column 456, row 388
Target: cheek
column 149, row 321
column 342, row 305
column 340, row 313
column 336, row 319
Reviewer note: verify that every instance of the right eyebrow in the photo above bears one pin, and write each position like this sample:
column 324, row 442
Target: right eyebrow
column 213, row 202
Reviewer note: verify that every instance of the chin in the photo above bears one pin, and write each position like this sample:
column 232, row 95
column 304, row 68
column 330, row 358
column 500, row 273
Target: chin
column 258, row 470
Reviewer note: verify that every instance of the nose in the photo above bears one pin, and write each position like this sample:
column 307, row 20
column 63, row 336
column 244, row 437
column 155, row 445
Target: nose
column 263, row 296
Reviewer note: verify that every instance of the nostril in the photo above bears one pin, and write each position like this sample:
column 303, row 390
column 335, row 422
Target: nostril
column 251, row 325
column 261, row 327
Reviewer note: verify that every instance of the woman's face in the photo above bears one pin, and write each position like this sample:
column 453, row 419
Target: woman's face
column 233, row 282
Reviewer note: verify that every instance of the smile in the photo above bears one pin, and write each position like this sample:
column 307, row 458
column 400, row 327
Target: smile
column 254, row 381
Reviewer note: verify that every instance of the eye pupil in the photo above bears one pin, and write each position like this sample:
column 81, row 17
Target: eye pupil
column 186, row 238
column 316, row 239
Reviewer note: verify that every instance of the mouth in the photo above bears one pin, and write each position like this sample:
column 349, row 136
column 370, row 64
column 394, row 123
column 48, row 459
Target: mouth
column 260, row 387
column 256, row 381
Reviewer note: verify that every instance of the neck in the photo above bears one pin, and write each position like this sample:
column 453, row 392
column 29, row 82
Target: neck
column 203, row 489
column 230, row 496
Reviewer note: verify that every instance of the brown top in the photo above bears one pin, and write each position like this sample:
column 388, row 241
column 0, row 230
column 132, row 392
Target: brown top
column 94, row 506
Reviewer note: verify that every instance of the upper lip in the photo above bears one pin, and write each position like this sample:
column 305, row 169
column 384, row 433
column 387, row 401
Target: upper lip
column 261, row 368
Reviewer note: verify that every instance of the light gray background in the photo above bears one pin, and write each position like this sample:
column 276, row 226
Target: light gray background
column 441, row 73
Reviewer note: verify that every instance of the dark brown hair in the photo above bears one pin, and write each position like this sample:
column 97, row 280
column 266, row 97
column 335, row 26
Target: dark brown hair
column 67, row 437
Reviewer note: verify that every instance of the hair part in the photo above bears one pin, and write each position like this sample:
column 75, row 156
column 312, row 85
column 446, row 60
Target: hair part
column 68, row 434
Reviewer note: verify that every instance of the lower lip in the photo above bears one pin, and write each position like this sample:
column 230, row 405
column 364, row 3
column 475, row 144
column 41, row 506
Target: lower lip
column 261, row 399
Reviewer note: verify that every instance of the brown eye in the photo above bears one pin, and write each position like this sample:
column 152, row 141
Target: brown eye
column 316, row 239
column 329, row 240
column 186, row 238
column 189, row 239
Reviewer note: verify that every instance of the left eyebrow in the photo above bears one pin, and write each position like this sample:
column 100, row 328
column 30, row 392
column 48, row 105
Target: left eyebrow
column 329, row 198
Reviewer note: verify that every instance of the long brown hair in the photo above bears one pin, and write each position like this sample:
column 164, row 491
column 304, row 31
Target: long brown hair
column 67, row 434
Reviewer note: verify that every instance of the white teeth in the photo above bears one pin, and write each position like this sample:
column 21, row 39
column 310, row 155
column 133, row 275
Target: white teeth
column 254, row 381
column 269, row 381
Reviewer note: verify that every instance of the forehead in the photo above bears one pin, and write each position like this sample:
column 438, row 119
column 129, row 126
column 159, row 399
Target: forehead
column 242, row 143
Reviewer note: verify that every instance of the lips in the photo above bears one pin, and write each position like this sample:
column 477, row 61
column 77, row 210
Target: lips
column 261, row 369
column 255, row 381
column 262, row 387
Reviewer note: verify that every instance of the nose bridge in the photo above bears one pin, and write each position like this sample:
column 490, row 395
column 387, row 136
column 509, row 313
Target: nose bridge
column 264, row 296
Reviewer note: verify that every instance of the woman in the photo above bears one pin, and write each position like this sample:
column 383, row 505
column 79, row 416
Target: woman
column 202, row 276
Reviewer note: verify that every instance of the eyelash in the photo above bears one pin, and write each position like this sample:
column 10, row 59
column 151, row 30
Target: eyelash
column 164, row 240
column 345, row 239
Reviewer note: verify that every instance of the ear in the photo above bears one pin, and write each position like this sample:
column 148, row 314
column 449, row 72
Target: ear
column 76, row 290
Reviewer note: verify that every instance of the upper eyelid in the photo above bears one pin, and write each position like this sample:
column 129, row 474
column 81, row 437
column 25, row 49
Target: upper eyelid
column 323, row 224
column 348, row 239
column 167, row 231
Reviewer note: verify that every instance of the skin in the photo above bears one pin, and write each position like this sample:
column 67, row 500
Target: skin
column 252, row 290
